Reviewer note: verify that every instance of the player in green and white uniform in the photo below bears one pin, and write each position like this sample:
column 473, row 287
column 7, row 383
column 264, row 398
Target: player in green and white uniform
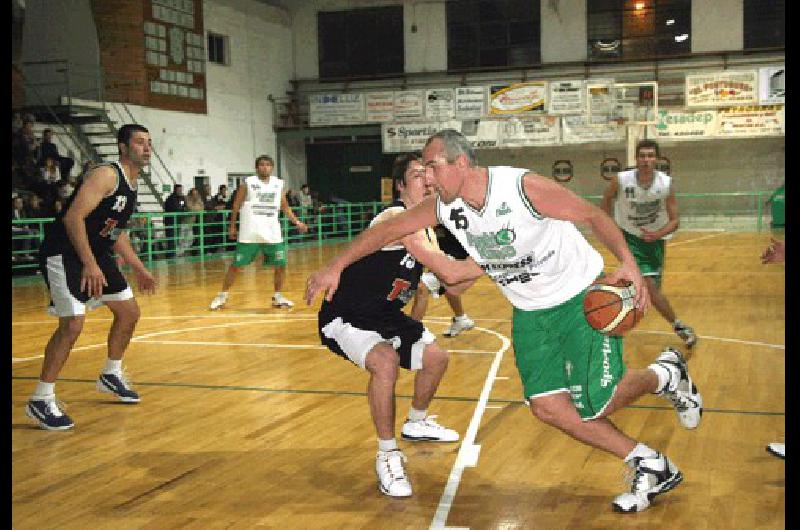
column 646, row 210
column 517, row 228
column 259, row 199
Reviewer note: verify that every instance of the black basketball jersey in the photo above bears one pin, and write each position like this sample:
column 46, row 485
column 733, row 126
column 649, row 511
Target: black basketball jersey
column 378, row 284
column 103, row 224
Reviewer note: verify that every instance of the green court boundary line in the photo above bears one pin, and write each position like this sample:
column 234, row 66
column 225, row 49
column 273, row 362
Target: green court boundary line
column 265, row 390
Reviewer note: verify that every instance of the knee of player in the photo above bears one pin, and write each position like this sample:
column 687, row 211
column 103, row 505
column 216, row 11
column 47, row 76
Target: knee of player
column 546, row 409
column 129, row 315
column 435, row 356
column 383, row 361
column 71, row 326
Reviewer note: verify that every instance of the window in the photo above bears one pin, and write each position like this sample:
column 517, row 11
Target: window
column 492, row 33
column 361, row 42
column 638, row 28
column 764, row 24
column 218, row 49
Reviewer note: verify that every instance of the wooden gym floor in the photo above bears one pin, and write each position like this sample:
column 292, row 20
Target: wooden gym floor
column 246, row 421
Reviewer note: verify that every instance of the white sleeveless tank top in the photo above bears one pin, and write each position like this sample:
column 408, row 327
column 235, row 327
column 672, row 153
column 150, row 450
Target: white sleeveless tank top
column 258, row 216
column 538, row 262
column 637, row 207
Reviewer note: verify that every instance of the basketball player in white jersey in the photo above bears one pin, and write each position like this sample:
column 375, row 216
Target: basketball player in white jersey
column 775, row 253
column 517, row 228
column 258, row 199
column 645, row 208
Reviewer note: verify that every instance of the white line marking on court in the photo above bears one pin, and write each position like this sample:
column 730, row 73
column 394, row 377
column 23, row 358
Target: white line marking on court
column 695, row 239
column 493, row 407
column 468, row 452
column 501, row 377
column 721, row 339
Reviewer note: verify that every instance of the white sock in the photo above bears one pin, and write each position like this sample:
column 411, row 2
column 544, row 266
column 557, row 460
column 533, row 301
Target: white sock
column 417, row 415
column 677, row 324
column 277, row 294
column 387, row 445
column 663, row 375
column 641, row 450
column 44, row 390
column 113, row 367
column 223, row 294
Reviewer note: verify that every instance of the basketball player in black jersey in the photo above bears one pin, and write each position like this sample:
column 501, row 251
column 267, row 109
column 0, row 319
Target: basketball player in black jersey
column 79, row 269
column 364, row 323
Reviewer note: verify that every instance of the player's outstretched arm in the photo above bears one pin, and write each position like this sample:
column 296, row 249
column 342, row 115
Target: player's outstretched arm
column 553, row 200
column 326, row 280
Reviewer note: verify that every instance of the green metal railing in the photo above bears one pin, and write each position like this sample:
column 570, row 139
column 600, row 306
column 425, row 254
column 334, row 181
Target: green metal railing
column 204, row 235
column 159, row 236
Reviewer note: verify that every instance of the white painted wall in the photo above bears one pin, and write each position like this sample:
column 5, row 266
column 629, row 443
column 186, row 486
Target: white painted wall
column 563, row 30
column 717, row 25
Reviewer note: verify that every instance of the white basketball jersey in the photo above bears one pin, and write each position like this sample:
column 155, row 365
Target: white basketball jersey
column 258, row 217
column 537, row 262
column 637, row 207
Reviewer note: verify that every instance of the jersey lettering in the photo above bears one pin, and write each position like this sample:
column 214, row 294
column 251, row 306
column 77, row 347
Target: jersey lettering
column 458, row 217
column 109, row 226
column 398, row 286
column 120, row 204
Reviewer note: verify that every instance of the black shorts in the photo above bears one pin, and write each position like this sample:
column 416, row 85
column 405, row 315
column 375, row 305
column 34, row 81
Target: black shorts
column 62, row 274
column 449, row 244
column 353, row 336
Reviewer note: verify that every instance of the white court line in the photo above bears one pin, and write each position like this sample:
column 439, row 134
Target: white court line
column 693, row 240
column 501, row 377
column 721, row 339
column 469, row 451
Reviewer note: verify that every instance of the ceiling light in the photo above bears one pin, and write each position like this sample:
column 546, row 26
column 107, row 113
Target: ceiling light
column 670, row 22
column 682, row 37
column 638, row 6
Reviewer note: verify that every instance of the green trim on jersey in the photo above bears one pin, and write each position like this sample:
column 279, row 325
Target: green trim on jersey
column 524, row 197
column 555, row 350
column 274, row 254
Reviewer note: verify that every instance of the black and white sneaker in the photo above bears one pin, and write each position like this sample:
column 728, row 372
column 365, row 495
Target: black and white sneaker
column 777, row 449
column 651, row 476
column 49, row 414
column 392, row 478
column 686, row 333
column 118, row 385
column 681, row 390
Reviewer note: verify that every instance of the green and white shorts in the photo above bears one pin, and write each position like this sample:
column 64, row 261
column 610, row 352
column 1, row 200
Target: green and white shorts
column 649, row 256
column 274, row 254
column 556, row 350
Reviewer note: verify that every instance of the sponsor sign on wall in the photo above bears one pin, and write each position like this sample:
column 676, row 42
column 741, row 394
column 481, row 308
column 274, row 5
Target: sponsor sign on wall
column 380, row 106
column 718, row 89
column 567, row 97
column 518, row 97
column 482, row 134
column 751, row 121
column 578, row 130
column 409, row 105
column 772, row 85
column 520, row 131
column 470, row 102
column 439, row 104
column 336, row 109
column 406, row 137
column 681, row 124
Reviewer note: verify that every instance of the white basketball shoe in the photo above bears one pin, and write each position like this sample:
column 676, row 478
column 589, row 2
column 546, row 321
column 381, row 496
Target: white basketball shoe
column 219, row 301
column 459, row 324
column 652, row 475
column 392, row 479
column 278, row 300
column 681, row 390
column 427, row 430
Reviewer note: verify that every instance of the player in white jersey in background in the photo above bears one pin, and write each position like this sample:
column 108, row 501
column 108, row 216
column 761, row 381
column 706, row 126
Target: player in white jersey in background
column 517, row 228
column 259, row 198
column 645, row 208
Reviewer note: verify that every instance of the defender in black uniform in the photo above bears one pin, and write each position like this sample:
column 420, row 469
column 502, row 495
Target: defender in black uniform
column 364, row 323
column 77, row 263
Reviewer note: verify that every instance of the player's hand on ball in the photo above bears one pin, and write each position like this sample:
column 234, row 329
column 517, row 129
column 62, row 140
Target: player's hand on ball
column 630, row 271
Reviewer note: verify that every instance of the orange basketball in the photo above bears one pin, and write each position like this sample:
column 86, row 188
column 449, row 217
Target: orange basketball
column 609, row 308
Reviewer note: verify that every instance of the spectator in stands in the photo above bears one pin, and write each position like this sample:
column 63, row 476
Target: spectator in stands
column 66, row 187
column 175, row 203
column 24, row 147
column 21, row 236
column 49, row 149
column 36, row 208
column 58, row 205
column 214, row 221
column 49, row 178
column 191, row 223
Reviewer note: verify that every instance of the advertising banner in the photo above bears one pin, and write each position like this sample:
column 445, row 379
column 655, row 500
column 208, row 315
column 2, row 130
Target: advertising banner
column 567, row 97
column 719, row 89
column 518, row 97
column 470, row 102
column 406, row 137
column 578, row 130
column 380, row 106
column 751, row 121
column 409, row 105
column 681, row 124
column 521, row 131
column 336, row 109
column 439, row 104
column 772, row 85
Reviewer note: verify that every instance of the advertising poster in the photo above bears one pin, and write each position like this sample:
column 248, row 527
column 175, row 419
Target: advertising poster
column 336, row 109
column 470, row 102
column 380, row 106
column 719, row 89
column 439, row 104
column 518, row 97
